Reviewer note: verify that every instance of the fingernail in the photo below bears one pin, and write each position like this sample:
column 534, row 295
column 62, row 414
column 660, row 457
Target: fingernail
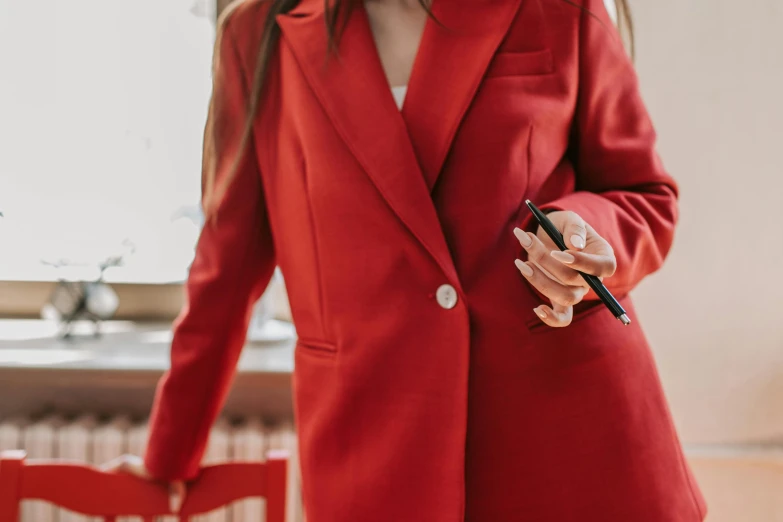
column 174, row 503
column 563, row 257
column 523, row 237
column 540, row 313
column 577, row 241
column 524, row 268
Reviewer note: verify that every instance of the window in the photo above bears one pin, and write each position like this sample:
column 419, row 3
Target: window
column 103, row 107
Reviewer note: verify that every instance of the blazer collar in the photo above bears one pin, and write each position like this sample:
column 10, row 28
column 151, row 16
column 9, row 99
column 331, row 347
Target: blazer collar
column 453, row 56
column 307, row 7
column 402, row 154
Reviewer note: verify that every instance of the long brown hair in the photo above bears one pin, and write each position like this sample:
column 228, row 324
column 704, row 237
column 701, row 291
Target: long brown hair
column 337, row 13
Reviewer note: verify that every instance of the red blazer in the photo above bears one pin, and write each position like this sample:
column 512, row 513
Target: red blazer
column 407, row 409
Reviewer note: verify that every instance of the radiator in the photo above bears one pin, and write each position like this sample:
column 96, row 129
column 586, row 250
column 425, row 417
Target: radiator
column 92, row 440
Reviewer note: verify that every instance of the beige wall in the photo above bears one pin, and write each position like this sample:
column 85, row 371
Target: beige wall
column 712, row 75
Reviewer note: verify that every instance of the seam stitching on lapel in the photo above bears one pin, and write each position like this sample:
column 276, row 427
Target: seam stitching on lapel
column 379, row 183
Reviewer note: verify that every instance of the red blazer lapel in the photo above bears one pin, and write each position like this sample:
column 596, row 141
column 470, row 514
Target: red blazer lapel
column 451, row 61
column 354, row 93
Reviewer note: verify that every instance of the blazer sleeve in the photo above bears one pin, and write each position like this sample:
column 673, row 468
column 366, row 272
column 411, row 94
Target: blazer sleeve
column 622, row 188
column 233, row 264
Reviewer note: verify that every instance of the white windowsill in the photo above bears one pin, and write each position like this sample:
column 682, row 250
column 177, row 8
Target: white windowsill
column 125, row 346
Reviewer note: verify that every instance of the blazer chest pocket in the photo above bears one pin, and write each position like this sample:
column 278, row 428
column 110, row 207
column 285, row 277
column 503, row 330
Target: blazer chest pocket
column 529, row 63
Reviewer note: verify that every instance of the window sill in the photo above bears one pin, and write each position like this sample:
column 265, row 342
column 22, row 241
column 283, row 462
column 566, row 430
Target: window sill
column 118, row 372
column 138, row 302
column 123, row 346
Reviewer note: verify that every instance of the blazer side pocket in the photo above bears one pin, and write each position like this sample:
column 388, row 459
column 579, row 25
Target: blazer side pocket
column 316, row 348
column 528, row 63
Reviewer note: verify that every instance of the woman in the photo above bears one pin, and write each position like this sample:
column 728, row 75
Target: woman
column 434, row 381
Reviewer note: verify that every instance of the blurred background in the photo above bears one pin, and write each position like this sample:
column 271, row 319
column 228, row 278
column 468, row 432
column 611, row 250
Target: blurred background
column 102, row 109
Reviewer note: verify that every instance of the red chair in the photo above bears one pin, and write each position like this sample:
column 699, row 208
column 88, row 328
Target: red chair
column 86, row 490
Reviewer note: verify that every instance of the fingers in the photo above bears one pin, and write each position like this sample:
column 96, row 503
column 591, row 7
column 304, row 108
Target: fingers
column 556, row 274
column 557, row 292
column 541, row 255
column 113, row 465
column 176, row 495
column 597, row 258
column 574, row 231
column 601, row 265
column 134, row 465
column 131, row 464
column 556, row 316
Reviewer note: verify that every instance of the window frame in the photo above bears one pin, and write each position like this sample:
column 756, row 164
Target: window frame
column 138, row 301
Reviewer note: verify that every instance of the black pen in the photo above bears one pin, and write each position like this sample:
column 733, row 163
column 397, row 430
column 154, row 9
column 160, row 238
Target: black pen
column 598, row 287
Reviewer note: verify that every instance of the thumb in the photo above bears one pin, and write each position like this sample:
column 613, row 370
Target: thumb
column 177, row 493
column 575, row 232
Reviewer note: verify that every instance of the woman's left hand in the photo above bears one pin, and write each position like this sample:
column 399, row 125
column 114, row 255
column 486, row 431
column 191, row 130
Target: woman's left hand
column 554, row 273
